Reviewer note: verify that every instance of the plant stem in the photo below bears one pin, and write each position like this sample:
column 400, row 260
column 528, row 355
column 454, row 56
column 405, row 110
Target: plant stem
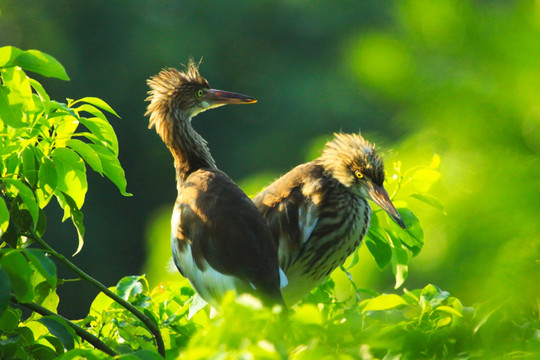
column 152, row 327
column 91, row 339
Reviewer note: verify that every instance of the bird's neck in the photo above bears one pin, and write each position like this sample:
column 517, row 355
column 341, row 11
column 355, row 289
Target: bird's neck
column 190, row 151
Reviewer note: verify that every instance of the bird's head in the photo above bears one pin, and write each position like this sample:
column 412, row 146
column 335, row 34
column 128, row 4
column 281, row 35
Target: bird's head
column 354, row 162
column 187, row 92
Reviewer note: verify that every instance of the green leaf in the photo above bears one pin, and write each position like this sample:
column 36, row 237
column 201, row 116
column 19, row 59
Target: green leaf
column 424, row 178
column 8, row 54
column 41, row 63
column 400, row 260
column 65, row 126
column 85, row 354
column 97, row 102
column 44, row 97
column 112, row 168
column 77, row 219
column 103, row 131
column 413, row 236
column 378, row 245
column 60, row 329
column 4, row 216
column 430, row 200
column 29, row 168
column 20, row 274
column 384, row 302
column 47, row 181
column 87, row 153
column 129, row 286
column 11, row 115
column 17, row 187
column 71, row 174
column 5, row 291
column 308, row 314
column 449, row 310
column 20, row 91
column 43, row 264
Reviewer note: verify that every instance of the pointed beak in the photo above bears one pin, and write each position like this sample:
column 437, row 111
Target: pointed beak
column 220, row 97
column 380, row 197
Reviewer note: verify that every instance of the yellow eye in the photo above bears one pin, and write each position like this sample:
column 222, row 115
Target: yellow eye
column 200, row 93
column 358, row 174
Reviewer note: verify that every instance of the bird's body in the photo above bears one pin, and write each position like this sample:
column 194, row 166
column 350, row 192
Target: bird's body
column 319, row 212
column 219, row 240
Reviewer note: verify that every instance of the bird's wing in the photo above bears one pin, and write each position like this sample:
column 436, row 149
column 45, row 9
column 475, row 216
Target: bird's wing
column 226, row 232
column 289, row 207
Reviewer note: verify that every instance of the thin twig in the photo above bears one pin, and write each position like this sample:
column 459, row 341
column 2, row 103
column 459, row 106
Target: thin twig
column 84, row 276
column 91, row 339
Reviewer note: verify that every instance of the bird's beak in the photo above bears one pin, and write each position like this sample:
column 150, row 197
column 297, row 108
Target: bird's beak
column 220, row 97
column 380, row 197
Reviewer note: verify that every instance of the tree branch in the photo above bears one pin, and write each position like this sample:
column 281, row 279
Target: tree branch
column 152, row 327
column 91, row 339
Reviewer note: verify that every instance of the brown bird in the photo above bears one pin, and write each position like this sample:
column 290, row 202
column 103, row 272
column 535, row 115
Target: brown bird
column 319, row 212
column 219, row 240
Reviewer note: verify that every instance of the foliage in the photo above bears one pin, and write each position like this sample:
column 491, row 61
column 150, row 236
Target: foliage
column 45, row 148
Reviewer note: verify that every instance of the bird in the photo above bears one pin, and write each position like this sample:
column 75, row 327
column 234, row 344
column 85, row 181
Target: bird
column 318, row 212
column 219, row 240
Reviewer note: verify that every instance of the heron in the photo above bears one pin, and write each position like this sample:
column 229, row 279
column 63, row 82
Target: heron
column 220, row 242
column 319, row 211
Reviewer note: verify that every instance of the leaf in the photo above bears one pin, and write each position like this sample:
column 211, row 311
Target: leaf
column 20, row 274
column 17, row 187
column 71, row 174
column 103, row 131
column 43, row 264
column 377, row 243
column 129, row 286
column 400, row 260
column 65, row 126
column 97, row 102
column 45, row 99
column 413, row 236
column 449, row 310
column 77, row 219
column 308, row 314
column 87, row 153
column 430, row 200
column 112, row 168
column 41, row 63
column 47, row 182
column 60, row 329
column 20, row 91
column 384, row 302
column 4, row 216
column 8, row 54
column 5, row 291
column 424, row 178
column 11, row 115
column 29, row 168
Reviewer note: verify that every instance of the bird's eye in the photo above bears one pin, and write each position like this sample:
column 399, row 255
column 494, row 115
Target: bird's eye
column 358, row 174
column 200, row 93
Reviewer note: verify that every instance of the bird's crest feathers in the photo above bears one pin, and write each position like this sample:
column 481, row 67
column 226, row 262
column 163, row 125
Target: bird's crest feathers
column 348, row 153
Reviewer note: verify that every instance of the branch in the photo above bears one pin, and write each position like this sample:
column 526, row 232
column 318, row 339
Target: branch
column 83, row 334
column 152, row 327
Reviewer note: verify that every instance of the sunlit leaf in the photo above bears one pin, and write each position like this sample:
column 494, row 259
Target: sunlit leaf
column 449, row 310
column 8, row 54
column 71, row 174
column 400, row 260
column 45, row 99
column 41, row 63
column 87, row 153
column 384, row 302
column 43, row 264
column 77, row 219
column 60, row 329
column 308, row 314
column 413, row 236
column 430, row 200
column 20, row 273
column 97, row 102
column 111, row 167
column 47, row 181
column 423, row 178
column 4, row 216
column 10, row 114
column 29, row 168
column 66, row 125
column 129, row 286
column 103, row 131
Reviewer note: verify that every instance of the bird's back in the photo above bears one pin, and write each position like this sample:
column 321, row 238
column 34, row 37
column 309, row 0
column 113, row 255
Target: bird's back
column 220, row 240
column 317, row 223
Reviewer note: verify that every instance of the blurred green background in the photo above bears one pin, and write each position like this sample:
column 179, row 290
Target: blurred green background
column 455, row 78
